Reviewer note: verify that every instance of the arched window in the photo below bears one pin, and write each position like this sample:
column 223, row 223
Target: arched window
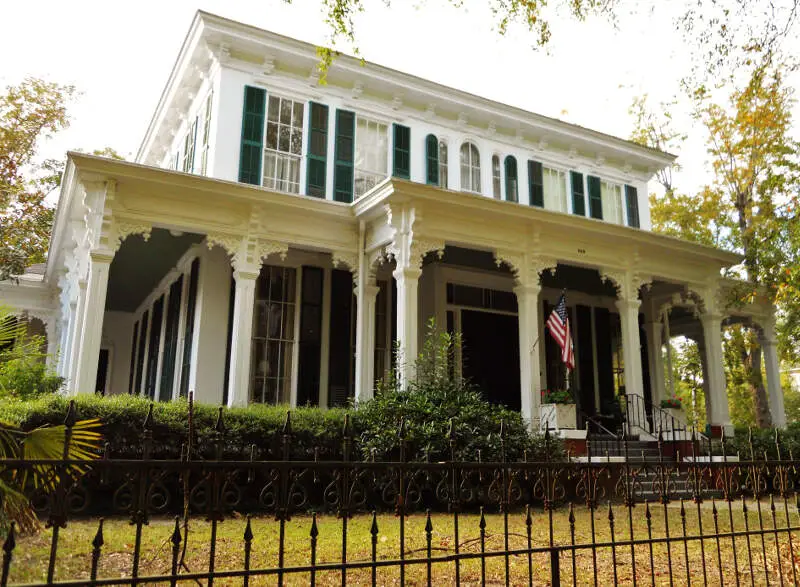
column 436, row 161
column 443, row 164
column 496, row 180
column 432, row 160
column 470, row 168
column 511, row 179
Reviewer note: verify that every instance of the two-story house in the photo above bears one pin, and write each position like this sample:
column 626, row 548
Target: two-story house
column 276, row 238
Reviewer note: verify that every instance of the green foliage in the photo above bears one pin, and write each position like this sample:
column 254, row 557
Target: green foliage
column 24, row 373
column 673, row 403
column 557, row 396
column 763, row 441
column 30, row 112
column 433, row 400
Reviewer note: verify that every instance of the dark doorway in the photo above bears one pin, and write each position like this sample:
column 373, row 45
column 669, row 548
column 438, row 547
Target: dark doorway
column 102, row 372
column 491, row 355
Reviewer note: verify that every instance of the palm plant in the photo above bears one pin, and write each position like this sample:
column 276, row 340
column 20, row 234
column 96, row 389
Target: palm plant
column 24, row 454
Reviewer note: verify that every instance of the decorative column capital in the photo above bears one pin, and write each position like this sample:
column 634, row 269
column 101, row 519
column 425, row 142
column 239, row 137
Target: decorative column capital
column 526, row 267
column 628, row 305
column 123, row 228
column 627, row 283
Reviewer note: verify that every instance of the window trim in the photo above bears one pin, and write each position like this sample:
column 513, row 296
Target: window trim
column 472, row 143
column 432, row 160
column 515, row 196
column 304, row 134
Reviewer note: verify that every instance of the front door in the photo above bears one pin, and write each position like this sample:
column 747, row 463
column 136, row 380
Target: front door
column 490, row 355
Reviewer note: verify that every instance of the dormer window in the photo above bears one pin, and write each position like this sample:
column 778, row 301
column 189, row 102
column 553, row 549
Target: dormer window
column 470, row 168
column 284, row 145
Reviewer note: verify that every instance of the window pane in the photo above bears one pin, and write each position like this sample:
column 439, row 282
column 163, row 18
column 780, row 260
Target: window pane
column 283, row 145
column 274, row 104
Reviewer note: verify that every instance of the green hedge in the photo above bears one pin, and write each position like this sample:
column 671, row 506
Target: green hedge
column 313, row 429
column 763, row 441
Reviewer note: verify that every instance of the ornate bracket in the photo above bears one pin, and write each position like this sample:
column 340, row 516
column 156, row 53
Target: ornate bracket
column 422, row 246
column 346, row 258
column 626, row 283
column 122, row 229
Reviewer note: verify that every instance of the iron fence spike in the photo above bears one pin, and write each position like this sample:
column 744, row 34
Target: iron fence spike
column 428, row 523
column 176, row 532
column 482, row 523
column 528, row 517
column 287, row 424
column 314, row 532
column 147, row 425
column 98, row 539
column 248, row 531
column 70, row 418
column 451, row 430
column 11, row 540
column 373, row 530
column 219, row 425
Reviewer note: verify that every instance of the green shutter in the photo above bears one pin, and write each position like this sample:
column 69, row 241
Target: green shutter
column 255, row 100
column 512, row 191
column 402, row 151
column 595, row 197
column 317, row 167
column 578, row 200
column 343, row 164
column 536, row 184
column 432, row 160
column 632, row 202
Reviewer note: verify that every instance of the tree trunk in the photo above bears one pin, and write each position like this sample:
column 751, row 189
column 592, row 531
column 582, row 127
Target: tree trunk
column 757, row 387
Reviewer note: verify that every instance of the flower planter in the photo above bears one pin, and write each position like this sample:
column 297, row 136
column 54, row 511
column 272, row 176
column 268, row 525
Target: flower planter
column 558, row 416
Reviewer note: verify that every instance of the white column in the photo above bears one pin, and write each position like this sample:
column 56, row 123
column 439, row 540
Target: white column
column 95, row 305
column 76, row 328
column 63, row 346
column 717, row 397
column 631, row 345
column 654, row 331
column 407, row 319
column 529, row 366
column 241, row 352
column 366, row 294
column 51, row 332
column 769, row 348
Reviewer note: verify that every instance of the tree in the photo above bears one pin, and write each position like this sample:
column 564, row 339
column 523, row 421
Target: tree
column 30, row 113
column 721, row 35
column 749, row 207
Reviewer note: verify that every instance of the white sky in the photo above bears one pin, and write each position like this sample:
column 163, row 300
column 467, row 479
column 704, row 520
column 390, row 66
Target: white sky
column 119, row 55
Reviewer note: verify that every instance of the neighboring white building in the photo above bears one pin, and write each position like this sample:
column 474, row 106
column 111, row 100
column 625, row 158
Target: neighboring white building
column 275, row 237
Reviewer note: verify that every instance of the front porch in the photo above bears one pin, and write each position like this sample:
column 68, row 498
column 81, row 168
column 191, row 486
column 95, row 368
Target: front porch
column 289, row 299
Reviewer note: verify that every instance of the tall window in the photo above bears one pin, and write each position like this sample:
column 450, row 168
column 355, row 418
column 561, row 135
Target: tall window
column 470, row 168
column 555, row 189
column 189, row 141
column 273, row 335
column 284, row 145
column 511, row 179
column 612, row 202
column 372, row 155
column 436, row 161
column 442, row 164
column 206, row 134
column 496, row 179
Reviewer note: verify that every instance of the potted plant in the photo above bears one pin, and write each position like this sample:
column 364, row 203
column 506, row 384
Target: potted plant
column 673, row 407
column 558, row 410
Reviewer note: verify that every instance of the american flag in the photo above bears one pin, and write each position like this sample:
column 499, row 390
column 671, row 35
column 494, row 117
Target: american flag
column 558, row 322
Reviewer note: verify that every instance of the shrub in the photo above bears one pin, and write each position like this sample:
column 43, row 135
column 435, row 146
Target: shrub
column 673, row 403
column 430, row 402
column 24, row 375
column 557, row 396
column 763, row 442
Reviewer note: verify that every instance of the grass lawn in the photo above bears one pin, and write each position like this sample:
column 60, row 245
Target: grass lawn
column 74, row 554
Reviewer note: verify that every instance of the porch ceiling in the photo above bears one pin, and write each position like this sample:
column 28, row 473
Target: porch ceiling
column 139, row 266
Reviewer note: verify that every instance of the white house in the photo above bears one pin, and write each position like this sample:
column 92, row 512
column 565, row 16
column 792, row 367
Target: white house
column 275, row 237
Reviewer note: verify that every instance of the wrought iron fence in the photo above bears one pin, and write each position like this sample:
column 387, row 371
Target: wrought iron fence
column 595, row 519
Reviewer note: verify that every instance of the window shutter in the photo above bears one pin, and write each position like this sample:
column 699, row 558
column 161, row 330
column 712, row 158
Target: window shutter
column 317, row 168
column 595, row 197
column 255, row 100
column 432, row 160
column 512, row 194
column 536, row 183
column 632, row 203
column 402, row 151
column 578, row 200
column 343, row 165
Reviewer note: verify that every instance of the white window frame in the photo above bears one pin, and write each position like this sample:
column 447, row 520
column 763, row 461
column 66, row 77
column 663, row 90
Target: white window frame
column 565, row 181
column 497, row 176
column 189, row 147
column 266, row 150
column 606, row 187
column 471, row 166
column 206, row 138
column 372, row 177
column 444, row 169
